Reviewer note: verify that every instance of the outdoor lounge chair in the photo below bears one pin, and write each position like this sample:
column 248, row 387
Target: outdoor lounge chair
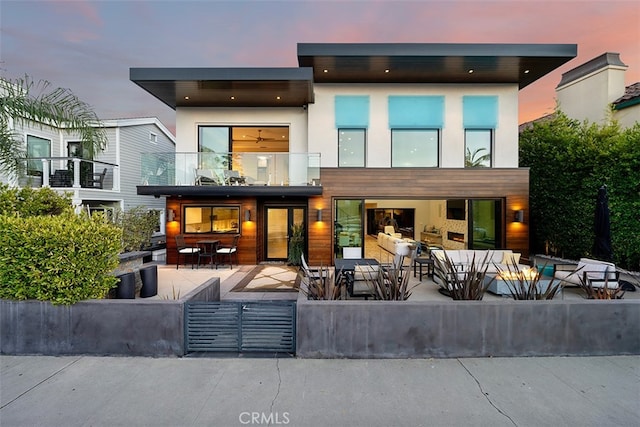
column 232, row 177
column 588, row 272
column 206, row 177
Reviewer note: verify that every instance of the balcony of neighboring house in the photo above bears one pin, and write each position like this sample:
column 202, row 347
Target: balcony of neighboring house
column 227, row 173
column 69, row 173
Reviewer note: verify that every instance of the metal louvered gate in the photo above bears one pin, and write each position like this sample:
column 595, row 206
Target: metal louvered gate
column 240, row 326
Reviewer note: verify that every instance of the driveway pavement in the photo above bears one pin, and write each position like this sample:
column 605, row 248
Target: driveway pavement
column 124, row 391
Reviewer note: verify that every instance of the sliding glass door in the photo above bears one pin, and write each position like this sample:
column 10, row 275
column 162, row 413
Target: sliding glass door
column 485, row 225
column 348, row 228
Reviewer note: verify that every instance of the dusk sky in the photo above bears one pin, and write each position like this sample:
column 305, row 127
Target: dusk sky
column 89, row 46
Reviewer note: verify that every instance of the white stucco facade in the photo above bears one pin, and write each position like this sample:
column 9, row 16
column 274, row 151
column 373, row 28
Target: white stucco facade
column 313, row 129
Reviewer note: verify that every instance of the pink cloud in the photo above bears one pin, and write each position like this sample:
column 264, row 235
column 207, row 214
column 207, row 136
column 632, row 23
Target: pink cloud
column 85, row 14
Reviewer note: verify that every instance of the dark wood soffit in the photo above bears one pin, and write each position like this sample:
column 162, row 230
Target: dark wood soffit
column 228, row 191
column 427, row 183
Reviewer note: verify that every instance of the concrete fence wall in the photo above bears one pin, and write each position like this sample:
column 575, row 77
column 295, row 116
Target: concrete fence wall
column 135, row 327
column 378, row 329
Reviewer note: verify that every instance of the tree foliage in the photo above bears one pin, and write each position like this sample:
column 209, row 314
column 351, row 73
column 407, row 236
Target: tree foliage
column 26, row 101
column 569, row 160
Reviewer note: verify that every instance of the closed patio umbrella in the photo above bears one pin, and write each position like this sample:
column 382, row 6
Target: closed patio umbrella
column 602, row 244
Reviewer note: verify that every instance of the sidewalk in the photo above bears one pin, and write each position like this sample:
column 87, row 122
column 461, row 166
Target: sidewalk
column 123, row 391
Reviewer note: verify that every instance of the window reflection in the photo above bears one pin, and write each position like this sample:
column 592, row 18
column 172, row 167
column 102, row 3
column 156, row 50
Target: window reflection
column 212, row 219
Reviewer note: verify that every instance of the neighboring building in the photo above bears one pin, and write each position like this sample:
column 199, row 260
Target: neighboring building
column 595, row 91
column 55, row 159
column 420, row 136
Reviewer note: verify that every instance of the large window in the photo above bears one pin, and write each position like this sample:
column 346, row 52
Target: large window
column 212, row 219
column 213, row 139
column 37, row 147
column 414, row 148
column 477, row 148
column 351, row 147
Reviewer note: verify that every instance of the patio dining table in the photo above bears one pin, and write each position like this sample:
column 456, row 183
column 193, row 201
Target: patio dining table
column 345, row 270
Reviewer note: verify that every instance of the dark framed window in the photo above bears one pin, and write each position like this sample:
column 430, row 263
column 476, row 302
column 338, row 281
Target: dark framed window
column 415, row 148
column 351, row 148
column 36, row 149
column 477, row 148
column 211, row 219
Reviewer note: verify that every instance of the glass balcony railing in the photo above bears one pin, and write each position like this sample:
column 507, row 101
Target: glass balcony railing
column 68, row 172
column 290, row 169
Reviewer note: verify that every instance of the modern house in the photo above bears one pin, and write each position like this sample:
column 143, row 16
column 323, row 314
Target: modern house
column 423, row 137
column 56, row 159
column 595, row 91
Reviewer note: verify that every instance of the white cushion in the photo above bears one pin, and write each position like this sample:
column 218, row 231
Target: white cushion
column 189, row 250
column 594, row 271
column 403, row 249
column 509, row 258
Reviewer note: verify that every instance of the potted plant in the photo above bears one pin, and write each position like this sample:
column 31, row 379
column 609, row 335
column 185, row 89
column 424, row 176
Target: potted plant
column 296, row 244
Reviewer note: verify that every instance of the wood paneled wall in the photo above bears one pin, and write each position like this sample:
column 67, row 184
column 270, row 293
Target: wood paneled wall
column 407, row 183
column 512, row 185
column 247, row 249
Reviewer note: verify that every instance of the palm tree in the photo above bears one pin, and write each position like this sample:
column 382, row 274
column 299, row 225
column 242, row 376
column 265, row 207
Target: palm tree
column 24, row 101
column 475, row 160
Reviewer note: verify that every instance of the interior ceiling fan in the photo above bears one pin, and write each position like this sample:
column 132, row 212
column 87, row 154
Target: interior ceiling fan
column 259, row 138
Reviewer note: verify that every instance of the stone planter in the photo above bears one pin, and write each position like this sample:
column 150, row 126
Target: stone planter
column 131, row 262
column 149, row 278
column 127, row 286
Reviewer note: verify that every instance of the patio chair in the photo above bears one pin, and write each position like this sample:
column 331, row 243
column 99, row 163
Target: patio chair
column 232, row 177
column 352, row 253
column 310, row 273
column 208, row 252
column 206, row 177
column 96, row 179
column 588, row 272
column 184, row 250
column 230, row 250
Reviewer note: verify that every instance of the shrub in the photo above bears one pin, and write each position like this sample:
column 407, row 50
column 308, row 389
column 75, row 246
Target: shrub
column 138, row 225
column 29, row 201
column 569, row 161
column 62, row 259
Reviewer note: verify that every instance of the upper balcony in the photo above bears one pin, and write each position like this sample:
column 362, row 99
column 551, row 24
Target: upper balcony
column 69, row 173
column 240, row 173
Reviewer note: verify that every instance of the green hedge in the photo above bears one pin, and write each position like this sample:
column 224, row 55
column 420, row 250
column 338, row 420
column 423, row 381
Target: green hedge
column 569, row 161
column 62, row 259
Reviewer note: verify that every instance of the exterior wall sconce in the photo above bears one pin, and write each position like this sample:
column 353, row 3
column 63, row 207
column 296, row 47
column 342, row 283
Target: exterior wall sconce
column 319, row 214
column 518, row 216
column 171, row 215
column 247, row 215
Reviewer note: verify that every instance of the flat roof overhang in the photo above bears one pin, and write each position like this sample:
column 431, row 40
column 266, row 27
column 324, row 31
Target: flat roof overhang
column 228, row 191
column 227, row 87
column 520, row 64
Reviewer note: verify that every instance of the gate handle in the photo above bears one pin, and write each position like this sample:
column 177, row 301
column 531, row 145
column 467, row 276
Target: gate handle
column 244, row 307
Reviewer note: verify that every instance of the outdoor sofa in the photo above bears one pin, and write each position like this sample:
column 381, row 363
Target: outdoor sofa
column 493, row 260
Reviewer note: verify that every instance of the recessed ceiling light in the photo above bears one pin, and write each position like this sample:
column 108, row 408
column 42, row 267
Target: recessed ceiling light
column 277, row 97
column 233, row 97
column 186, row 97
column 325, row 71
column 526, row 71
column 471, row 71
column 386, row 71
